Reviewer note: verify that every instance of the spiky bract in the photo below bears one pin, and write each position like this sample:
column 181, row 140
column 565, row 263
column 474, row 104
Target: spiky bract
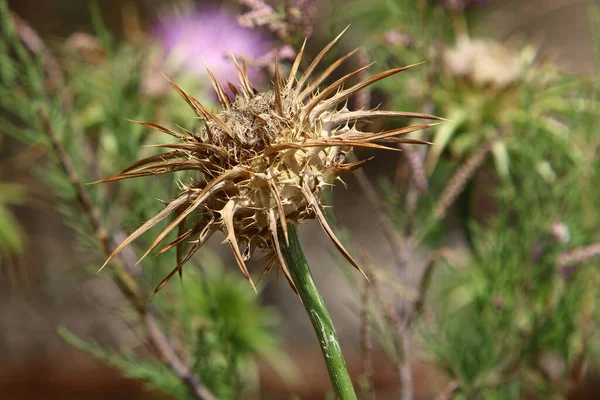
column 263, row 161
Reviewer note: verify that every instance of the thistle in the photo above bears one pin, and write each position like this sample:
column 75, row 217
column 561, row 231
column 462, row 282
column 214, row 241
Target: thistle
column 261, row 166
column 263, row 161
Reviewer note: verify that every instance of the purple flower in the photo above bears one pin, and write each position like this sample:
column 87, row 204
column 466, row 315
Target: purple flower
column 211, row 36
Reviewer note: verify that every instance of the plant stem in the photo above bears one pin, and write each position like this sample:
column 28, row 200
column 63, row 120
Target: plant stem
column 318, row 315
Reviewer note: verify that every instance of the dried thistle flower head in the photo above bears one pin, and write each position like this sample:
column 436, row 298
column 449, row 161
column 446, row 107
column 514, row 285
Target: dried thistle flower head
column 263, row 161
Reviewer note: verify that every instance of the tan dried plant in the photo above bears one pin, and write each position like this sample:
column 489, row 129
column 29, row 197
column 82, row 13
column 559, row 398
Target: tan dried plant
column 263, row 161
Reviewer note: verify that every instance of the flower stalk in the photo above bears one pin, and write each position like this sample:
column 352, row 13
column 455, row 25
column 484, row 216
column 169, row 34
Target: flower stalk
column 317, row 313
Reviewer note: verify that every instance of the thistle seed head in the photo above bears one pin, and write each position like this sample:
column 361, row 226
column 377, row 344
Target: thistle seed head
column 263, row 161
column 485, row 62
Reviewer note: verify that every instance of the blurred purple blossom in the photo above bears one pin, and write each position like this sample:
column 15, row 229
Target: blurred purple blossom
column 396, row 38
column 299, row 17
column 307, row 10
column 211, row 36
column 262, row 14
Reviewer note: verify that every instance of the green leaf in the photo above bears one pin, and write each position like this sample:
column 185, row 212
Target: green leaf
column 11, row 233
column 443, row 135
column 501, row 160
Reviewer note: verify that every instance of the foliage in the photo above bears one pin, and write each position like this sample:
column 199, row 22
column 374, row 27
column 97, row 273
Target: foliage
column 158, row 374
column 11, row 234
column 510, row 303
column 221, row 328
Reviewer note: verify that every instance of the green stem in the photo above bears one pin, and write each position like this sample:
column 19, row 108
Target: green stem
column 319, row 317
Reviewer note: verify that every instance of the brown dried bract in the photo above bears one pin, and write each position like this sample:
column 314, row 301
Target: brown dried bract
column 263, row 161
